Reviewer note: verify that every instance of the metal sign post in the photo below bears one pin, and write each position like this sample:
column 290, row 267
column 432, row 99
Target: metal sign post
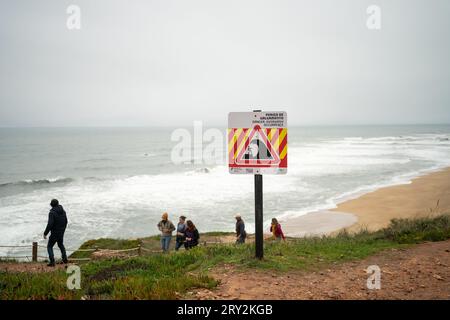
column 257, row 144
column 259, row 240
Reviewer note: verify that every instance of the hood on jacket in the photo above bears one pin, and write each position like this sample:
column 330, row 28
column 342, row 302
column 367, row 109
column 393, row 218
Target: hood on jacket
column 58, row 209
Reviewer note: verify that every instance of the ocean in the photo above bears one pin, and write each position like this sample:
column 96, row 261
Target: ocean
column 116, row 182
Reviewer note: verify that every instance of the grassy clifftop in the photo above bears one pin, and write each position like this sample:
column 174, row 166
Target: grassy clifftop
column 166, row 276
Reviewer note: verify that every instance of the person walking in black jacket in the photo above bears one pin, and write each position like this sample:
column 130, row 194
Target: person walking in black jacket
column 57, row 223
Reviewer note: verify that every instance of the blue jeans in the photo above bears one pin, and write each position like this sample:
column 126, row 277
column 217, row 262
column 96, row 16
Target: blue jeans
column 241, row 240
column 179, row 242
column 165, row 243
column 59, row 239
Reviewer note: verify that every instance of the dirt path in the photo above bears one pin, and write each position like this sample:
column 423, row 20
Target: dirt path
column 30, row 267
column 419, row 272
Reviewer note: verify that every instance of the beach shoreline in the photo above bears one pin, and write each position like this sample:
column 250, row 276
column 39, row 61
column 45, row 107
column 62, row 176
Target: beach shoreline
column 425, row 195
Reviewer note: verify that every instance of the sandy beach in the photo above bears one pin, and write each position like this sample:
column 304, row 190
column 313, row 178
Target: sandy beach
column 374, row 210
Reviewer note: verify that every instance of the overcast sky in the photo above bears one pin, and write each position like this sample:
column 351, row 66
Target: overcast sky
column 169, row 62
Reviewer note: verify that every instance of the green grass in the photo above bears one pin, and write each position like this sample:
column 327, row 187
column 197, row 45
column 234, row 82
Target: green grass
column 419, row 230
column 217, row 234
column 43, row 286
column 164, row 276
column 104, row 243
column 156, row 277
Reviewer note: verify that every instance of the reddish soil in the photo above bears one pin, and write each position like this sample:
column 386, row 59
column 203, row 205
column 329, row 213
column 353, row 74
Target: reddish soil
column 419, row 272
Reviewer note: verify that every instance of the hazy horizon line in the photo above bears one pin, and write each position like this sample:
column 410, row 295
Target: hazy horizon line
column 219, row 126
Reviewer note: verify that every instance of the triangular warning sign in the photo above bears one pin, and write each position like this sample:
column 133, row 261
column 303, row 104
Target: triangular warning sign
column 258, row 150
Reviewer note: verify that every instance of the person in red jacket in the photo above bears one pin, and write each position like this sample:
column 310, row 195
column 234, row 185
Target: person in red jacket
column 277, row 233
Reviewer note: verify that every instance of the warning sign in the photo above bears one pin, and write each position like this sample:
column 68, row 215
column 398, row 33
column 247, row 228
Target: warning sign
column 257, row 149
column 257, row 142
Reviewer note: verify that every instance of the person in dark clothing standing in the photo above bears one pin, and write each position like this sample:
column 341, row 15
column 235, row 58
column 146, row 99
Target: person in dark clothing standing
column 192, row 235
column 57, row 223
column 240, row 230
column 181, row 230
